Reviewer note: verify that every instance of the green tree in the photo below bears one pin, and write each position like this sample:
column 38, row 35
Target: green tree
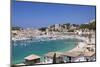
column 43, row 29
column 90, row 26
column 84, row 26
column 17, row 28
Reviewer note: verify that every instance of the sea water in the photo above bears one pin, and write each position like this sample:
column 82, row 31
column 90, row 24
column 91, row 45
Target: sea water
column 21, row 49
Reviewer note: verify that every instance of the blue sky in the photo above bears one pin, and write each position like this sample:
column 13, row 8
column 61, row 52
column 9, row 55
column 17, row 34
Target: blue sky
column 33, row 14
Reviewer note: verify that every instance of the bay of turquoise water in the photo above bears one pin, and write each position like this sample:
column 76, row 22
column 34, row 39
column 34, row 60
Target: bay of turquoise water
column 21, row 49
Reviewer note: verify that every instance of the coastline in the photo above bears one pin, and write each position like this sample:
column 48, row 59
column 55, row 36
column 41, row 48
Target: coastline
column 62, row 50
column 79, row 46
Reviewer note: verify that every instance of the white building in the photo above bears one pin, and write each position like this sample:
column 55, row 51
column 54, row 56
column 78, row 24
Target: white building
column 73, row 57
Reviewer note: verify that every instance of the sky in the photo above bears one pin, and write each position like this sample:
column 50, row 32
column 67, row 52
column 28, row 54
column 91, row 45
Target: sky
column 36, row 15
